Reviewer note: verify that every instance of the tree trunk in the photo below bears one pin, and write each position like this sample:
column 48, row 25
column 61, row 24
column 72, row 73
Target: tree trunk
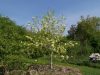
column 51, row 61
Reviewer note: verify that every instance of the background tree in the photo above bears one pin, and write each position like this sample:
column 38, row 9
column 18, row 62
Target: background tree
column 72, row 32
column 86, row 33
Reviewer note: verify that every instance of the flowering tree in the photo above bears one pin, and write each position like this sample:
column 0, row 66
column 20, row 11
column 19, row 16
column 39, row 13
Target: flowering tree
column 48, row 33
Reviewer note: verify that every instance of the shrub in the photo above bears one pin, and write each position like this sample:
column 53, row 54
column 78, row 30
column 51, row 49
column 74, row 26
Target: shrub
column 15, row 62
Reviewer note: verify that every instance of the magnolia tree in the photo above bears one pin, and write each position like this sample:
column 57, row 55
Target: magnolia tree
column 47, row 35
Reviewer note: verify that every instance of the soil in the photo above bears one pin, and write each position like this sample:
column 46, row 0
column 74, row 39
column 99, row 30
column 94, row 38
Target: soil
column 57, row 70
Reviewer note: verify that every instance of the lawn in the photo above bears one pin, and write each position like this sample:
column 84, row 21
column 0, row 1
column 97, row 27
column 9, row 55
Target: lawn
column 84, row 69
column 89, row 71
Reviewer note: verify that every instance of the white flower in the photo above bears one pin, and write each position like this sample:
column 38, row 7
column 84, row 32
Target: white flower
column 35, row 60
column 37, row 44
column 65, row 44
column 21, row 42
column 76, row 43
column 30, row 44
column 71, row 56
column 62, row 56
column 52, row 45
column 53, row 42
column 72, row 45
column 67, row 57
column 29, row 37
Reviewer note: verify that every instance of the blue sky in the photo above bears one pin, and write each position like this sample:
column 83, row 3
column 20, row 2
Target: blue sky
column 22, row 10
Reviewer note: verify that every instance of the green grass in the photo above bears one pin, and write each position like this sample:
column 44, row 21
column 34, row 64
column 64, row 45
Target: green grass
column 89, row 71
column 84, row 69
